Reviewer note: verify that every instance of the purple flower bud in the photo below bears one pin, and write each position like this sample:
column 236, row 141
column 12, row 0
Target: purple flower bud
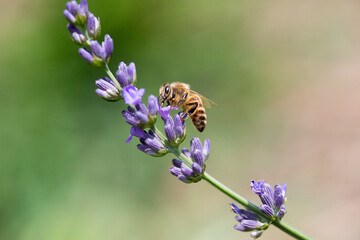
column 266, row 199
column 245, row 214
column 284, row 188
column 186, row 152
column 247, row 225
column 179, row 126
column 184, row 179
column 268, row 211
column 108, row 46
column 130, row 118
column 198, row 157
column 86, row 55
column 142, row 117
column 186, row 171
column 126, row 74
column 268, row 190
column 148, row 150
column 195, row 143
column 169, row 131
column 153, row 105
column 131, row 95
column 71, row 18
column 93, row 26
column 280, row 214
column 154, row 143
column 131, row 71
column 97, row 50
column 107, row 90
column 137, row 132
column 278, row 196
column 140, row 107
column 165, row 112
column 257, row 187
column 206, row 149
column 177, row 163
column 197, row 169
column 175, row 171
column 76, row 13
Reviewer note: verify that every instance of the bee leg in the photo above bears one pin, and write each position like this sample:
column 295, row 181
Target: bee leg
column 184, row 116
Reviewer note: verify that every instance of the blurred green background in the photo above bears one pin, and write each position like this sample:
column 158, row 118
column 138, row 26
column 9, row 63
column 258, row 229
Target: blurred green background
column 285, row 75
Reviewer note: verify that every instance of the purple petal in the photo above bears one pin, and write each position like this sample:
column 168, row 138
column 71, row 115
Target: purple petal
column 235, row 208
column 177, row 163
column 268, row 190
column 72, row 7
column 184, row 179
column 129, row 118
column 93, row 25
column 103, row 94
column 198, row 157
column 131, row 72
column 121, row 75
column 206, row 149
column 108, row 46
column 280, row 214
column 105, row 85
column 86, row 55
column 196, row 168
column 195, row 144
column 175, row 171
column 268, row 211
column 284, row 188
column 249, row 224
column 266, row 199
column 142, row 117
column 153, row 105
column 257, row 187
column 169, row 132
column 84, row 5
column 154, row 144
column 165, row 112
column 131, row 95
column 186, row 171
column 138, row 132
column 97, row 50
column 72, row 29
column 247, row 214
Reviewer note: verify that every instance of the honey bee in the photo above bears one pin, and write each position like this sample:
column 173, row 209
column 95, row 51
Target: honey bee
column 193, row 104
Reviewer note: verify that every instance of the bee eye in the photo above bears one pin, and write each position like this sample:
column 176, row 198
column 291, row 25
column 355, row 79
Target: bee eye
column 167, row 90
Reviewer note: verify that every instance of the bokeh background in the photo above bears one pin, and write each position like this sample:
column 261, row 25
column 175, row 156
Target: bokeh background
column 285, row 75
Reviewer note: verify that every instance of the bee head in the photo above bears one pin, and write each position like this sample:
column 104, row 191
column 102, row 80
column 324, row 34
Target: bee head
column 164, row 92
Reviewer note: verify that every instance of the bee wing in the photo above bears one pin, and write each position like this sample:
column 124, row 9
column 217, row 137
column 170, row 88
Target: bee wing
column 206, row 102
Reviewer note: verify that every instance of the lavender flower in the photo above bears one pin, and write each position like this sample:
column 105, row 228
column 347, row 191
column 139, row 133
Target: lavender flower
column 76, row 13
column 77, row 35
column 174, row 128
column 93, row 26
column 137, row 114
column 151, row 144
column 107, row 89
column 198, row 155
column 102, row 53
column 273, row 200
column 249, row 221
column 126, row 74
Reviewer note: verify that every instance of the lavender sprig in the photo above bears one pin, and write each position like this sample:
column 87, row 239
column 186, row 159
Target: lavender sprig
column 189, row 166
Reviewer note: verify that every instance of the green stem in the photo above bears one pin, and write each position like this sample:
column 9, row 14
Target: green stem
column 249, row 205
column 112, row 77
